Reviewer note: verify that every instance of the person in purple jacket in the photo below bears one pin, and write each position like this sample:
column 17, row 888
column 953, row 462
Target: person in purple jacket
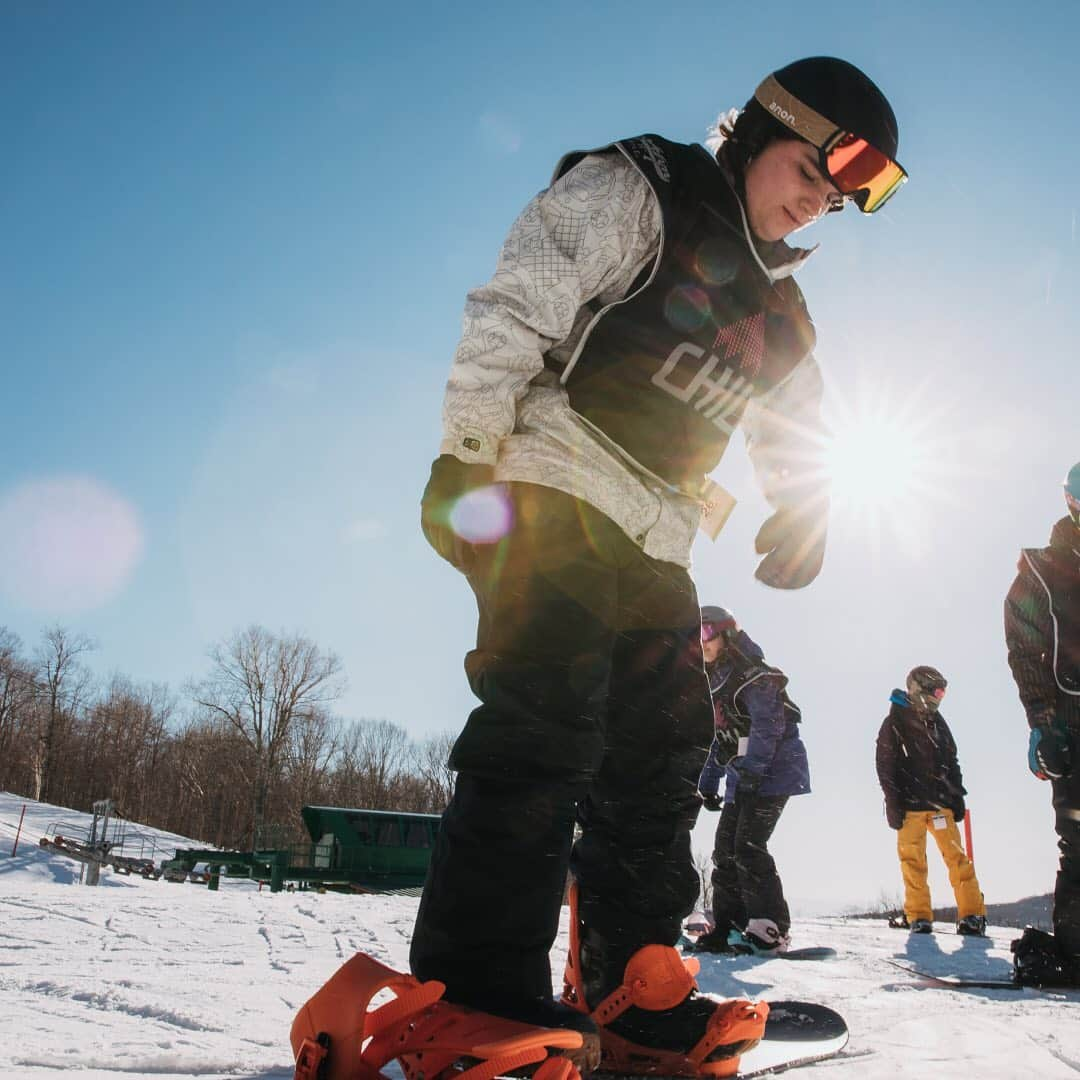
column 757, row 752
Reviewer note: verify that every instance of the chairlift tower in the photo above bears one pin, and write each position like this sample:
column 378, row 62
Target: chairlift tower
column 98, row 839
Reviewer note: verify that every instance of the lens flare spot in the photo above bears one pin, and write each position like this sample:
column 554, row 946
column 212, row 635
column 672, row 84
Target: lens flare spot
column 483, row 516
column 716, row 265
column 67, row 544
column 687, row 308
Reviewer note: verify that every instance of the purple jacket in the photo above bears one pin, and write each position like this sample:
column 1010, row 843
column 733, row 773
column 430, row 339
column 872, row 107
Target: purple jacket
column 750, row 701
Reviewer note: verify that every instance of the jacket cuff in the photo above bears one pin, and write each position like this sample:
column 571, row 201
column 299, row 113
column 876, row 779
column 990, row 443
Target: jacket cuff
column 471, row 447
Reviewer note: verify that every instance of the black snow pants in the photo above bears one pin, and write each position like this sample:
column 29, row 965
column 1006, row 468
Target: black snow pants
column 1067, row 888
column 745, row 884
column 594, row 706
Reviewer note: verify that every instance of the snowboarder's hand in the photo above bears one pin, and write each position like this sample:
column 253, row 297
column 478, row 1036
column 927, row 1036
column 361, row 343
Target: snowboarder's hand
column 712, row 802
column 895, row 818
column 1049, row 751
column 958, row 814
column 450, row 524
column 793, row 543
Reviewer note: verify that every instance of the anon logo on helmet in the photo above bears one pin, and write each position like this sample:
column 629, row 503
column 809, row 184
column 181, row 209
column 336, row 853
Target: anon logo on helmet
column 778, row 110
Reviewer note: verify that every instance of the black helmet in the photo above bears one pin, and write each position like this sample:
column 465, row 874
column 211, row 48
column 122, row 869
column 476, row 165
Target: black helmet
column 841, row 93
column 835, row 107
column 926, row 687
column 927, row 678
column 717, row 622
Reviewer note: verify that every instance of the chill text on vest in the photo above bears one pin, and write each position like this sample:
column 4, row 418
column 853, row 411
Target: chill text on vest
column 720, row 400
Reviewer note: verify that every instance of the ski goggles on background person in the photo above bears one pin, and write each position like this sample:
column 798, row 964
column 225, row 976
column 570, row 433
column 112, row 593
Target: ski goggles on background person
column 712, row 631
column 859, row 171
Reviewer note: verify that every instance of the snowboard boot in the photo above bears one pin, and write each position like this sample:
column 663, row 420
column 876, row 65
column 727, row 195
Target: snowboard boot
column 921, row 926
column 715, row 940
column 338, row 1035
column 765, row 937
column 652, row 1018
column 898, row 921
column 972, row 926
column 748, row 944
column 1037, row 961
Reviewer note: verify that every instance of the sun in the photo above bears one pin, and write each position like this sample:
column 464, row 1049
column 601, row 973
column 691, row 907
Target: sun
column 875, row 461
column 888, row 461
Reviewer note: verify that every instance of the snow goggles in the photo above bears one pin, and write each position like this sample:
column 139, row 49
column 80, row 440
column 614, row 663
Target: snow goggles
column 712, row 631
column 859, row 171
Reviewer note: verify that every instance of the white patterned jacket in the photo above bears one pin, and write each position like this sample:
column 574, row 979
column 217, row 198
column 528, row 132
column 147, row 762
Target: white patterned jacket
column 586, row 238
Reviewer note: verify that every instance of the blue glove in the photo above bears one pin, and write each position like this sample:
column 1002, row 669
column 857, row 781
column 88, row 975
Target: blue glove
column 1049, row 751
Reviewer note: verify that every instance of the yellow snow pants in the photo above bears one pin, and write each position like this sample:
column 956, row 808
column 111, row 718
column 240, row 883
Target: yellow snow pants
column 911, row 847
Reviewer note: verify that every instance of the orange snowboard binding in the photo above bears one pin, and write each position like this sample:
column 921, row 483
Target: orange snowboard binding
column 337, row 1035
column 658, row 978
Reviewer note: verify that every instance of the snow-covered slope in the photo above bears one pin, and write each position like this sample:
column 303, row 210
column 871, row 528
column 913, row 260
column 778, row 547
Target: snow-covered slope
column 162, row 980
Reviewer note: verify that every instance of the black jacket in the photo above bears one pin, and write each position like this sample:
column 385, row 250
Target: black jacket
column 1042, row 628
column 916, row 763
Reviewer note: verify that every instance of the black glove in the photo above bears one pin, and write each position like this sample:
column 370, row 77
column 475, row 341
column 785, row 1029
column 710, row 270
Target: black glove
column 450, row 479
column 958, row 813
column 1050, row 751
column 711, row 802
column 793, row 543
column 894, row 817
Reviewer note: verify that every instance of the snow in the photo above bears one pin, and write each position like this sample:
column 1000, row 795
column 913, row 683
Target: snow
column 142, row 978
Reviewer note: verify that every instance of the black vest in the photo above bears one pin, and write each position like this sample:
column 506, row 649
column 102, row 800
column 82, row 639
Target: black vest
column 743, row 673
column 666, row 372
column 1058, row 570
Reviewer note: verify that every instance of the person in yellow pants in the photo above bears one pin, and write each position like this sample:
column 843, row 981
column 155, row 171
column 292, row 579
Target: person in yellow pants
column 924, row 793
column 911, row 847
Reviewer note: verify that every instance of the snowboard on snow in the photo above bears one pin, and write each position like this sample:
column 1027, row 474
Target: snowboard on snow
column 959, row 982
column 810, row 952
column 796, row 1033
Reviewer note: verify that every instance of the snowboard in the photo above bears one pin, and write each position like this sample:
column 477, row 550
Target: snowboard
column 810, row 952
column 959, row 982
column 796, row 1033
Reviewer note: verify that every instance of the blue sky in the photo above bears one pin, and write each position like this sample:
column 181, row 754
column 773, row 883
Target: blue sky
column 237, row 239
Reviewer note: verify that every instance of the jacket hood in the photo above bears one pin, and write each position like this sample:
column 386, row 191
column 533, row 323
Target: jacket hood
column 745, row 644
column 1065, row 536
column 741, row 643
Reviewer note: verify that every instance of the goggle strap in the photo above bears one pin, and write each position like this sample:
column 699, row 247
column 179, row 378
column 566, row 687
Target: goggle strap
column 795, row 114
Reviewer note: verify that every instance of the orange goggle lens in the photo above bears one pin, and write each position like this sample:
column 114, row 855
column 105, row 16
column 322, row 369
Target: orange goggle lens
column 862, row 172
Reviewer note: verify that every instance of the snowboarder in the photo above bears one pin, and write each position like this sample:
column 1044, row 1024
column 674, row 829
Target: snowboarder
column 757, row 751
column 1042, row 630
column 924, row 792
column 643, row 306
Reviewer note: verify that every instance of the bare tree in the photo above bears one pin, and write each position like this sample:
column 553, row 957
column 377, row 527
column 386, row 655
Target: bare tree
column 261, row 684
column 62, row 682
column 16, row 696
column 374, row 755
column 433, row 766
column 311, row 749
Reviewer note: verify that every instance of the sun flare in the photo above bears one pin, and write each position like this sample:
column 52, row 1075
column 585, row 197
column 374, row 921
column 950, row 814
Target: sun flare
column 875, row 462
column 890, row 459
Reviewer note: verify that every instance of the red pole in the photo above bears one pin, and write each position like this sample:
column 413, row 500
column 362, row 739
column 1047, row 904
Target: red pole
column 18, row 831
column 967, row 838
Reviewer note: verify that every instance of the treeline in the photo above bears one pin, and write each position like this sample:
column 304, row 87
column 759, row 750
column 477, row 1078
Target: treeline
column 229, row 761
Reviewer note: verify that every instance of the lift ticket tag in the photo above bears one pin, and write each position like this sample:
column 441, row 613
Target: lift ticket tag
column 716, row 507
